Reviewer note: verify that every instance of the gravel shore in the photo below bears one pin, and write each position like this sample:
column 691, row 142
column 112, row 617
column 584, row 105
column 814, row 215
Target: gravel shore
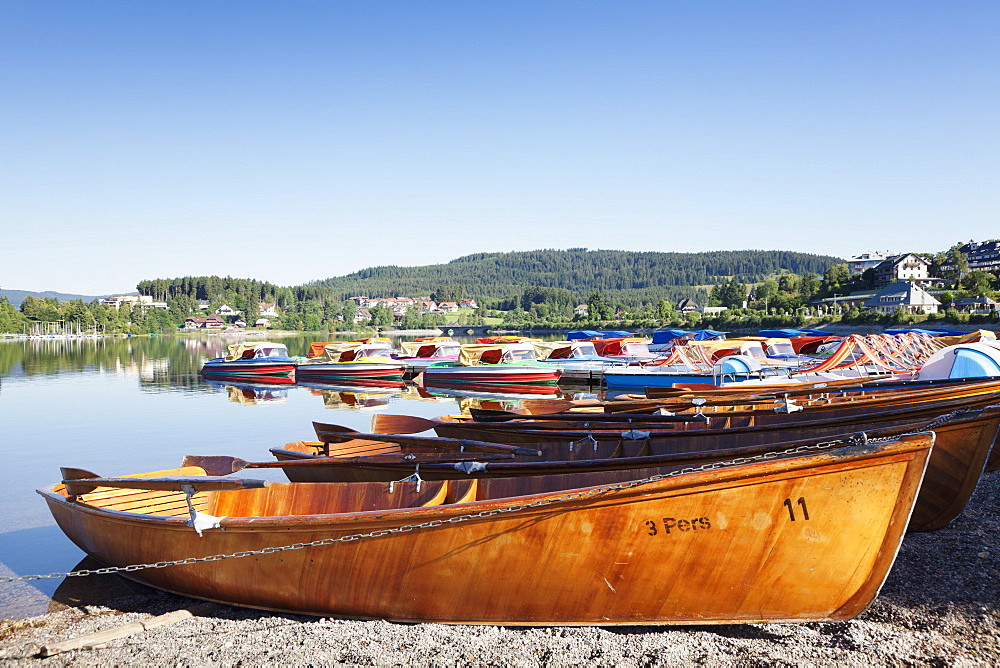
column 940, row 606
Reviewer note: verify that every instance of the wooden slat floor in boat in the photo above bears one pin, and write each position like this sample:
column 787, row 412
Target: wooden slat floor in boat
column 367, row 448
column 167, row 504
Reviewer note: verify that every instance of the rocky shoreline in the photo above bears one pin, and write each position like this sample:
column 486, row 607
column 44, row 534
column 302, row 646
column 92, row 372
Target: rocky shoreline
column 940, row 606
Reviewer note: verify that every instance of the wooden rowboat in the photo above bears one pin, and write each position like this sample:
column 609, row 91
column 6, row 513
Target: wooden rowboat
column 864, row 396
column 866, row 384
column 560, row 428
column 680, row 398
column 963, row 445
column 801, row 538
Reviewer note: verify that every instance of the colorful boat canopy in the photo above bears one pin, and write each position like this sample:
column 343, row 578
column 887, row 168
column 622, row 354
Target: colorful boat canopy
column 936, row 331
column 593, row 334
column 789, row 333
column 493, row 353
column 665, row 335
column 256, row 350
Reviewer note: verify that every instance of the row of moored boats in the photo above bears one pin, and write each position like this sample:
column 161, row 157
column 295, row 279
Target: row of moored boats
column 777, row 498
column 625, row 363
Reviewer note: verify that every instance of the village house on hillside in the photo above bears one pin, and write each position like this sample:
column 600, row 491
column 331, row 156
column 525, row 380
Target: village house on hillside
column 904, row 295
column 974, row 305
column 208, row 322
column 686, row 306
column 899, row 268
column 144, row 301
column 862, row 262
column 982, row 256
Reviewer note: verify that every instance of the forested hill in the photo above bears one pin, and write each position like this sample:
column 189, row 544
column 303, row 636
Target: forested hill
column 625, row 276
column 15, row 297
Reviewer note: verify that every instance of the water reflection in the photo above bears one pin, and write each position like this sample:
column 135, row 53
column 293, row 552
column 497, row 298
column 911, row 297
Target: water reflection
column 251, row 394
column 118, row 406
column 365, row 394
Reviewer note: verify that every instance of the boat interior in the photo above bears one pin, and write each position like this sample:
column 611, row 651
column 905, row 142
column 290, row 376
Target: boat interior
column 323, row 498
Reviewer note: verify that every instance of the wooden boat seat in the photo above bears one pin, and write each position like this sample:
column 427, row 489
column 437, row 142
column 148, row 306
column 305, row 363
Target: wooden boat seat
column 147, row 502
column 335, row 447
column 282, row 499
column 462, row 491
column 358, row 448
column 631, row 448
column 491, row 357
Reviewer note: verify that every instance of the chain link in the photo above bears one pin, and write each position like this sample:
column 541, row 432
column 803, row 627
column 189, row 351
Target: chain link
column 855, row 439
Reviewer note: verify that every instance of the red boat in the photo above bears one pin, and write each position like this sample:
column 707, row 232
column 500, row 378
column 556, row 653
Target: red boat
column 350, row 361
column 258, row 359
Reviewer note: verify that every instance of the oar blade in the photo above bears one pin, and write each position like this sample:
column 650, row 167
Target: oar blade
column 534, row 406
column 215, row 465
column 383, row 423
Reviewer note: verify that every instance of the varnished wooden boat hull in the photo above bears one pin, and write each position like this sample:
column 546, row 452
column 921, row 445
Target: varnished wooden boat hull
column 953, row 473
column 723, row 425
column 871, row 398
column 956, row 463
column 864, row 385
column 803, row 539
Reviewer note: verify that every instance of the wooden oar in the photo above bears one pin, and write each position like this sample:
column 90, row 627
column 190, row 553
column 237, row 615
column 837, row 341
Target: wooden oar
column 403, row 422
column 81, row 481
column 545, row 406
column 655, row 396
column 384, row 423
column 736, row 399
column 704, row 389
column 485, row 415
column 762, row 391
column 336, row 434
column 219, row 465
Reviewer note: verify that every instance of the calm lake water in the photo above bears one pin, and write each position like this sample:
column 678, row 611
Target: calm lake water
column 120, row 406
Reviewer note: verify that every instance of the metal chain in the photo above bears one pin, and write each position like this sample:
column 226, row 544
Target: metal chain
column 857, row 439
column 937, row 422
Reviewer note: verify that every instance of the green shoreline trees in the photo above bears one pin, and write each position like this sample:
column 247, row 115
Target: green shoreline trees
column 536, row 289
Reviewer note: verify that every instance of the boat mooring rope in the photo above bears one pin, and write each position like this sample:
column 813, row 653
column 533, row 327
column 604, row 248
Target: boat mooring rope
column 858, row 439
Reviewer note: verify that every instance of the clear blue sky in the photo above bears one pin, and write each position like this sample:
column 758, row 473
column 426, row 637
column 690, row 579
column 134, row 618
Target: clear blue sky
column 291, row 141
